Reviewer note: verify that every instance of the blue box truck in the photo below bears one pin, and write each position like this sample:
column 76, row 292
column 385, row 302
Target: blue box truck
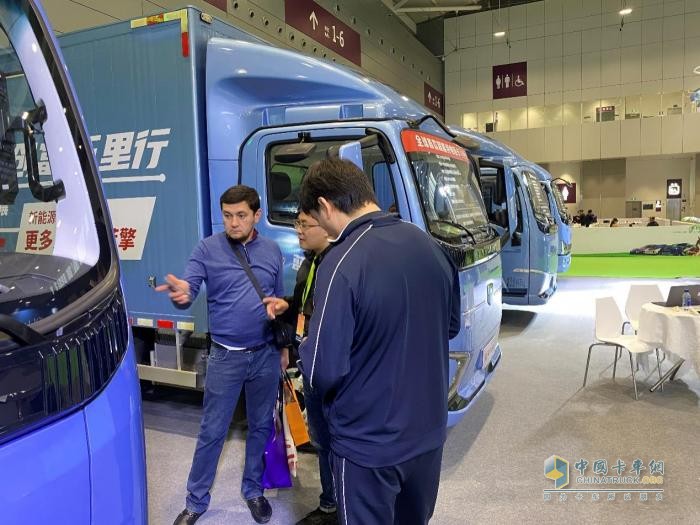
column 181, row 106
column 519, row 208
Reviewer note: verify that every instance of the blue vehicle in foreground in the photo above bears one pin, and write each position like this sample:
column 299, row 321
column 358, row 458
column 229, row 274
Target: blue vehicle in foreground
column 557, row 206
column 181, row 106
column 518, row 207
column 71, row 431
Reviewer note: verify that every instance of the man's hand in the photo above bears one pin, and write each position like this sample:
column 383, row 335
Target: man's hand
column 284, row 358
column 275, row 306
column 179, row 289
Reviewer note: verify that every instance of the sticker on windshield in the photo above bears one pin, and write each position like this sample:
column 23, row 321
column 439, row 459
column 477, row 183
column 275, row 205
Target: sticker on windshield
column 415, row 141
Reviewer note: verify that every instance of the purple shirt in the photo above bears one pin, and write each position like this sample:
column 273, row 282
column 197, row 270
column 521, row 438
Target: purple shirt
column 237, row 317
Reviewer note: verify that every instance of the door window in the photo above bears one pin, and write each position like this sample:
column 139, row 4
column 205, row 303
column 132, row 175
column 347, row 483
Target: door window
column 284, row 179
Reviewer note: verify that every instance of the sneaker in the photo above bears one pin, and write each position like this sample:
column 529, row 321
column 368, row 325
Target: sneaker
column 319, row 517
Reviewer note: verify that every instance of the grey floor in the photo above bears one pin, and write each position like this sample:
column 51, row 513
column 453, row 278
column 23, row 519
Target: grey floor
column 493, row 461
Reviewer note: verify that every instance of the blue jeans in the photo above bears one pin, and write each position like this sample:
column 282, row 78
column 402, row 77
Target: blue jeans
column 322, row 439
column 227, row 372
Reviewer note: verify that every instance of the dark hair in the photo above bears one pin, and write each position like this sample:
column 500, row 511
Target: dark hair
column 338, row 181
column 241, row 193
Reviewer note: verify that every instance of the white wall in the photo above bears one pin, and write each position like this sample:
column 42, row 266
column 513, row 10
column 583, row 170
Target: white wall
column 646, row 178
column 390, row 52
column 605, row 185
column 624, row 239
column 578, row 59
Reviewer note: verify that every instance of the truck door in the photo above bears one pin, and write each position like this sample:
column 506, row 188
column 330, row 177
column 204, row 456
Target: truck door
column 504, row 204
column 518, row 283
column 275, row 162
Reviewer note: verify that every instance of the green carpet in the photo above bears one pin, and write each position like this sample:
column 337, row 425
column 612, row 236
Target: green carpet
column 625, row 265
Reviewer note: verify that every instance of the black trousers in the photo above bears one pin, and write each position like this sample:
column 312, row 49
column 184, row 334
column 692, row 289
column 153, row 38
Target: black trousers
column 401, row 494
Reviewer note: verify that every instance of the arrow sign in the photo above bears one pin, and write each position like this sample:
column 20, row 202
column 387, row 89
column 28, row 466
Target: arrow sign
column 433, row 99
column 325, row 28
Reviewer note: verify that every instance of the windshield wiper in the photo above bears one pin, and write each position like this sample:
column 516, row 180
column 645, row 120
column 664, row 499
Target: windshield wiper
column 456, row 225
column 20, row 332
column 488, row 228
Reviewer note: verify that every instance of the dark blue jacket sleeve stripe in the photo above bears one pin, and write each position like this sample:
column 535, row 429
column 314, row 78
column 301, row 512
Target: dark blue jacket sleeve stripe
column 338, row 328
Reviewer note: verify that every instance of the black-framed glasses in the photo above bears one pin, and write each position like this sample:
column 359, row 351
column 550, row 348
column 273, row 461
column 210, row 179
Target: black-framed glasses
column 303, row 226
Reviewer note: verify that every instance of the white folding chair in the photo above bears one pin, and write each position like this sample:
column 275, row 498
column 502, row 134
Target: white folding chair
column 608, row 320
column 638, row 296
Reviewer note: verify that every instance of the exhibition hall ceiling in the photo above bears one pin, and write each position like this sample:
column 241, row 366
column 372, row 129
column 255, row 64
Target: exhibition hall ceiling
column 423, row 10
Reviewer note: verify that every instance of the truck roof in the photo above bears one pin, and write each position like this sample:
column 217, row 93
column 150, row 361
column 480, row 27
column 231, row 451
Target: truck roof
column 487, row 147
column 252, row 85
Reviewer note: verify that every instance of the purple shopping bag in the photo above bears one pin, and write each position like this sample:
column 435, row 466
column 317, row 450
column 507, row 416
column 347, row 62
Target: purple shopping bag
column 276, row 473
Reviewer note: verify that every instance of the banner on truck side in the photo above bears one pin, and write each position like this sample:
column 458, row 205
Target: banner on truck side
column 131, row 219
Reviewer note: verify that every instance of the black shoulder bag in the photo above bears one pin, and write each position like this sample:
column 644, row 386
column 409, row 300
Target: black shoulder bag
column 281, row 331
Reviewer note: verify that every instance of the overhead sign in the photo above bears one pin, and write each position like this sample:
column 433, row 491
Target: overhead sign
column 313, row 20
column 510, row 80
column 568, row 191
column 433, row 99
column 674, row 188
column 221, row 4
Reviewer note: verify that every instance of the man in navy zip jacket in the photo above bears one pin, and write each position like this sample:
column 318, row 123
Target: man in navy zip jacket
column 387, row 301
column 242, row 353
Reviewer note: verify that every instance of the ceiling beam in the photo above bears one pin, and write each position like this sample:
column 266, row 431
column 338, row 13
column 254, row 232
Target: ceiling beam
column 443, row 9
column 407, row 20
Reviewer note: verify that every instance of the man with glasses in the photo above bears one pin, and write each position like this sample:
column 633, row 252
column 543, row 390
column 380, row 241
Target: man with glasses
column 242, row 352
column 314, row 241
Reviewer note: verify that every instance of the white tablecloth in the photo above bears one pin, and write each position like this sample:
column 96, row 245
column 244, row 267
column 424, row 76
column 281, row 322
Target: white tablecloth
column 674, row 330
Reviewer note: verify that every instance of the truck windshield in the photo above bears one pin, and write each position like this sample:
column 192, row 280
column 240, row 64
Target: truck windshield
column 50, row 227
column 561, row 203
column 448, row 187
column 538, row 199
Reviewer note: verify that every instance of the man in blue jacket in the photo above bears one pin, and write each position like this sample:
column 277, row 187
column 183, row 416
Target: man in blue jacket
column 241, row 353
column 387, row 301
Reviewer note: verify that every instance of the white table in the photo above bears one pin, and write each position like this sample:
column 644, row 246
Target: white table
column 674, row 330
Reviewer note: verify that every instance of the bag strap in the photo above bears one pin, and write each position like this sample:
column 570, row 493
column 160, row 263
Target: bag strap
column 246, row 266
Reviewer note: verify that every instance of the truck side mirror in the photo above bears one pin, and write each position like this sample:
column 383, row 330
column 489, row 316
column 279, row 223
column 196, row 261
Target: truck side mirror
column 517, row 239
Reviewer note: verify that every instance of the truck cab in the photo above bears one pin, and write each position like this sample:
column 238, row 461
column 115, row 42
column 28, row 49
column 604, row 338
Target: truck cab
column 557, row 206
column 518, row 207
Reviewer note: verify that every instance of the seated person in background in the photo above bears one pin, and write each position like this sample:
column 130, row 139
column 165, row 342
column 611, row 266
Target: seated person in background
column 652, row 222
column 589, row 218
column 614, row 223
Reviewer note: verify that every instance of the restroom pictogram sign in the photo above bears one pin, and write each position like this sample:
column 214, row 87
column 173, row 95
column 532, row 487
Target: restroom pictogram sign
column 510, row 80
